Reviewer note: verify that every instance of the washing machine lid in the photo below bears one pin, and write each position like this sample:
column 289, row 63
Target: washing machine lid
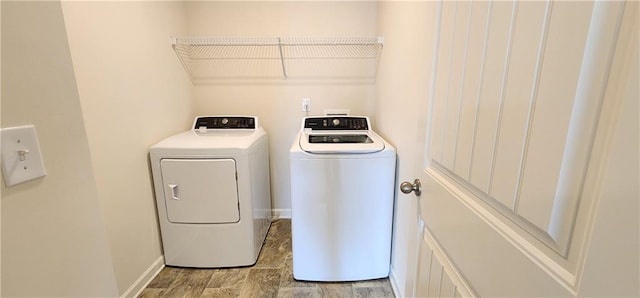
column 342, row 134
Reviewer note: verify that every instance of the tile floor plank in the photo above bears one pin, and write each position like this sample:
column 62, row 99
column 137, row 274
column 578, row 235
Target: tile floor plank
column 228, row 278
column 296, row 292
column 336, row 290
column 271, row 276
column 219, row 293
column 151, row 293
column 371, row 292
column 165, row 277
column 261, row 283
column 189, row 283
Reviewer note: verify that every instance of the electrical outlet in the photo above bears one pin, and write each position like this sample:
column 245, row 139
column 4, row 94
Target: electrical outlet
column 306, row 104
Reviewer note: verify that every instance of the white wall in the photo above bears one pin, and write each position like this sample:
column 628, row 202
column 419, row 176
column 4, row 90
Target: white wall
column 278, row 105
column 54, row 242
column 133, row 93
column 402, row 92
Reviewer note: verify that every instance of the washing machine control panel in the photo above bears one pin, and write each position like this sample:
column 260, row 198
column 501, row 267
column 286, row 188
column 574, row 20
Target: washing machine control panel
column 337, row 123
column 225, row 122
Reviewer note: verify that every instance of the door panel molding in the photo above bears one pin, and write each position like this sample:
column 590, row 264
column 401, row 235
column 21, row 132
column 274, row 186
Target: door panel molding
column 580, row 153
column 437, row 275
column 508, row 249
column 532, row 101
column 540, row 144
column 520, row 238
column 534, row 145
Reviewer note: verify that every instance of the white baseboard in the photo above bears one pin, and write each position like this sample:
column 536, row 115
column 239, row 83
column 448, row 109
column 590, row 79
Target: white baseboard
column 281, row 213
column 394, row 283
column 145, row 278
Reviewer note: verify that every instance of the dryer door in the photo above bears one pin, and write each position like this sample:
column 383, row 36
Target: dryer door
column 200, row 190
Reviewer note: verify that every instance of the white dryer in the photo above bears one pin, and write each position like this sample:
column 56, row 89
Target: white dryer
column 342, row 193
column 213, row 193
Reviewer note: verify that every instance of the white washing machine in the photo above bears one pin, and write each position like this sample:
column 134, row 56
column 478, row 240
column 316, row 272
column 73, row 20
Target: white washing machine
column 213, row 193
column 342, row 193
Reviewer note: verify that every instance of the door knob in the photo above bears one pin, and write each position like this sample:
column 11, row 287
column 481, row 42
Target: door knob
column 407, row 187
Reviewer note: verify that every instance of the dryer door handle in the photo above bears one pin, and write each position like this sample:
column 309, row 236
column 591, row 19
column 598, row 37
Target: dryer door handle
column 174, row 191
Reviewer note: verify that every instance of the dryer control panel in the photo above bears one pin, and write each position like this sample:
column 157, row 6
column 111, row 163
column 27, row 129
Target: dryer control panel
column 337, row 123
column 225, row 122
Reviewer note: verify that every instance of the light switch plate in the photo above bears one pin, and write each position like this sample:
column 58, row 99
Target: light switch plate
column 21, row 158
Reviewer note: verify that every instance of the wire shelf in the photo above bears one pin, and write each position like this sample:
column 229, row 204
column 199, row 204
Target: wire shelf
column 219, row 59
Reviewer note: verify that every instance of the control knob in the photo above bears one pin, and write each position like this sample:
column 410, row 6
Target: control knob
column 336, row 122
column 225, row 121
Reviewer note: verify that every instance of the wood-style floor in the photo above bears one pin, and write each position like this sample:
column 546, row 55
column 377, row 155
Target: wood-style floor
column 271, row 276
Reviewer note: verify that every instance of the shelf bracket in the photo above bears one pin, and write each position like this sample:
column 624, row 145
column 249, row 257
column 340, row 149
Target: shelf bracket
column 284, row 70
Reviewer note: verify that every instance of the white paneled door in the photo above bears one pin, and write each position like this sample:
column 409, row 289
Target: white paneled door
column 526, row 98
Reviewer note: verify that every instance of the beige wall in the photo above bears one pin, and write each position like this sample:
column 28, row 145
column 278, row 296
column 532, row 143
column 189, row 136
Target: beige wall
column 54, row 242
column 401, row 103
column 133, row 93
column 278, row 105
